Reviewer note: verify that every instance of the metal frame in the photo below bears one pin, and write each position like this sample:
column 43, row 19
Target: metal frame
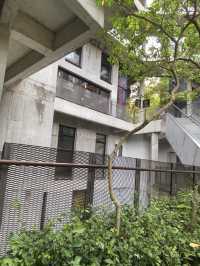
column 75, row 165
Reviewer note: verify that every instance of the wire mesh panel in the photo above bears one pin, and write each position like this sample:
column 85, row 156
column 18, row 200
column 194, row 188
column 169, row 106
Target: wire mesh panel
column 30, row 196
column 163, row 180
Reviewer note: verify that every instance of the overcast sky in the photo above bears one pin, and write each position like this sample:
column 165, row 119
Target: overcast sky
column 149, row 2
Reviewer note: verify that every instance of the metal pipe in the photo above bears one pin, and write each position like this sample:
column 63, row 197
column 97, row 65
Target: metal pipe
column 96, row 166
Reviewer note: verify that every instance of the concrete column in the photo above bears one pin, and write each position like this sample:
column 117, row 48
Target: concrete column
column 141, row 95
column 189, row 102
column 154, row 157
column 154, row 147
column 26, row 114
column 4, row 45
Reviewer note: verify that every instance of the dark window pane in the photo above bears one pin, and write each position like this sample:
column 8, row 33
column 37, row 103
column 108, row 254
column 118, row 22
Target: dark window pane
column 106, row 68
column 100, row 151
column 64, row 156
column 100, row 148
column 120, row 151
column 68, row 131
column 74, row 57
column 65, row 151
column 100, row 138
column 123, row 90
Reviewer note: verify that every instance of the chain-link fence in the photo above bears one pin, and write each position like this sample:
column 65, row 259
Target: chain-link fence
column 34, row 191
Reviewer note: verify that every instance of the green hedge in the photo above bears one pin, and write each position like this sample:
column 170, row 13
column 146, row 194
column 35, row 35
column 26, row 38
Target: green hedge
column 161, row 236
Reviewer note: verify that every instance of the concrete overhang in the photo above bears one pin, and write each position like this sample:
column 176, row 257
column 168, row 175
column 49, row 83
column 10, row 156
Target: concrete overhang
column 87, row 114
column 41, row 32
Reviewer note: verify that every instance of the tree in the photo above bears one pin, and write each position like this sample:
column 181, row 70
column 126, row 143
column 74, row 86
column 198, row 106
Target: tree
column 162, row 40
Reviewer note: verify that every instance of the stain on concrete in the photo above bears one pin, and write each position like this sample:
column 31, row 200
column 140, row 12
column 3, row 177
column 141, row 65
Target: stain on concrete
column 40, row 101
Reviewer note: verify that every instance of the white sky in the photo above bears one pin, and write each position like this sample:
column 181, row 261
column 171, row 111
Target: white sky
column 140, row 6
column 149, row 2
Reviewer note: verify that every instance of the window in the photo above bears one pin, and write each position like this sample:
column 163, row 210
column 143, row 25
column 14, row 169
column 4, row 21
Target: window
column 100, row 151
column 65, row 150
column 119, row 153
column 123, row 90
column 100, row 144
column 74, row 57
column 106, row 68
column 79, row 199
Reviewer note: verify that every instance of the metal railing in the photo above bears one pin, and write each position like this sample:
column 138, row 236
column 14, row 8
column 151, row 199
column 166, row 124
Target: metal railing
column 31, row 194
column 182, row 113
column 77, row 93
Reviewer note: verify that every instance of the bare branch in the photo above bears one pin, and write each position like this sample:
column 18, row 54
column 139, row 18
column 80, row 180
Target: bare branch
column 180, row 37
column 189, row 60
column 196, row 24
column 159, row 26
column 113, row 154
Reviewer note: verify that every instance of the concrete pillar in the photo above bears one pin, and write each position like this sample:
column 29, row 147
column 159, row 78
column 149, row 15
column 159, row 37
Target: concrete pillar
column 4, row 45
column 154, row 157
column 26, row 114
column 189, row 102
column 154, row 147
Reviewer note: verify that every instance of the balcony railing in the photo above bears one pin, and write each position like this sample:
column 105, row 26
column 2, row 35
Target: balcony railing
column 82, row 94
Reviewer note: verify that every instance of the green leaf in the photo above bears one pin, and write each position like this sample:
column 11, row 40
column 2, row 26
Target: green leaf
column 77, row 261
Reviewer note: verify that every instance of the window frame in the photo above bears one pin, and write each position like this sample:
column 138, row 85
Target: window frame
column 80, row 57
column 103, row 156
column 125, row 90
column 106, row 64
column 61, row 149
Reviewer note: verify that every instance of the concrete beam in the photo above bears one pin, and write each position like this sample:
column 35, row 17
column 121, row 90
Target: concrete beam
column 34, row 62
column 32, row 34
column 2, row 3
column 4, row 45
column 88, row 11
column 8, row 11
column 69, row 32
column 22, row 64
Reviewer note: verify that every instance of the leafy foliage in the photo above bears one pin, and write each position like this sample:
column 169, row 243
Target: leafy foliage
column 152, row 41
column 163, row 235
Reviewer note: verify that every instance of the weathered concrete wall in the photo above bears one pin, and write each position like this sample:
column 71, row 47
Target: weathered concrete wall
column 85, row 139
column 91, row 68
column 26, row 114
column 166, row 153
column 138, row 146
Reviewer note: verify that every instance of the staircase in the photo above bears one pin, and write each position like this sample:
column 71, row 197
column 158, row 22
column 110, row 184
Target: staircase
column 183, row 134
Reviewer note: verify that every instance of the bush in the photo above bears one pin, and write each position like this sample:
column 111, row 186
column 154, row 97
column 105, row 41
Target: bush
column 161, row 236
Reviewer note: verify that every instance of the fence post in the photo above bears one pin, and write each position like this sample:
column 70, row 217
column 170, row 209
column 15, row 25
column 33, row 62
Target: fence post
column 144, row 186
column 90, row 182
column 137, row 184
column 172, row 181
column 194, row 180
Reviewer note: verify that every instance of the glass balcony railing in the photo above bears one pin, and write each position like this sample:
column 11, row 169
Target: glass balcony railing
column 79, row 91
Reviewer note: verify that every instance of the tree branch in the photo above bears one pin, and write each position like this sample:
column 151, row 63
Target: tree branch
column 131, row 12
column 113, row 154
column 189, row 60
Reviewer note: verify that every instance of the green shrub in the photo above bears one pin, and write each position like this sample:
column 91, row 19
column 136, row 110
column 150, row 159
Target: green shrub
column 160, row 236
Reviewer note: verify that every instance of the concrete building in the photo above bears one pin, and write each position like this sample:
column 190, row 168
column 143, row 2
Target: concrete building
column 74, row 105
column 34, row 34
column 81, row 91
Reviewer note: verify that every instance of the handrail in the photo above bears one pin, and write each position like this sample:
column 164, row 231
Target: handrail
column 190, row 117
column 94, row 166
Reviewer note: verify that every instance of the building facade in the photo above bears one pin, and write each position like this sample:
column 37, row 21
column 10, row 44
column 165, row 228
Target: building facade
column 84, row 93
column 74, row 110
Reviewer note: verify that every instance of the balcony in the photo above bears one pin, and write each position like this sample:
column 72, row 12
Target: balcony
column 77, row 90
